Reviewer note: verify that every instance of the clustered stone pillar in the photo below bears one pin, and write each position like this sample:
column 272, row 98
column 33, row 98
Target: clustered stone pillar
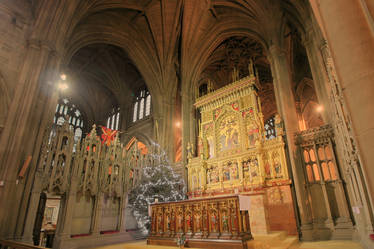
column 21, row 121
column 349, row 57
column 189, row 125
column 287, row 109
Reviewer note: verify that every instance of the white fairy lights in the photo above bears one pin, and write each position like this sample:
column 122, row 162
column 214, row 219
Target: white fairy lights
column 159, row 181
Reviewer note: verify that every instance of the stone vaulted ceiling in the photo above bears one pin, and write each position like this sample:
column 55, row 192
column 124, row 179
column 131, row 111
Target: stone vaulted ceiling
column 102, row 77
column 163, row 43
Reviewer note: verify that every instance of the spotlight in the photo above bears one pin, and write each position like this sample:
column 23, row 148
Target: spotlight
column 319, row 108
column 63, row 76
column 63, row 86
column 178, row 124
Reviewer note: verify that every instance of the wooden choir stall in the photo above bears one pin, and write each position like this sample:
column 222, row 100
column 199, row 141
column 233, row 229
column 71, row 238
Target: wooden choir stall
column 206, row 223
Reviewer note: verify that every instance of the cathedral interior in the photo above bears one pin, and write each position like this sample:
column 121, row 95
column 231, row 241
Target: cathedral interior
column 263, row 108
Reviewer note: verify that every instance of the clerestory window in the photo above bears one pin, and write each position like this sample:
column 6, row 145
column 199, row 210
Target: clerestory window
column 113, row 121
column 142, row 105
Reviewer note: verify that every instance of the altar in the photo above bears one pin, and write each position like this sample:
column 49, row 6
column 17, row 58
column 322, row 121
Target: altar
column 219, row 222
column 234, row 162
column 235, row 157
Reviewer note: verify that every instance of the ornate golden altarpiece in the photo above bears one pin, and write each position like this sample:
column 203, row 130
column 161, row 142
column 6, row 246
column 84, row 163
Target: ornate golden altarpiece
column 233, row 154
column 234, row 159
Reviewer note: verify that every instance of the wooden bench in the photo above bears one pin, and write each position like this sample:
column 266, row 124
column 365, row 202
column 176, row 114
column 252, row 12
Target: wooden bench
column 9, row 244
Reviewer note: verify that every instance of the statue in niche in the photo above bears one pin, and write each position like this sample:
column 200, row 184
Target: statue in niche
column 277, row 168
column 246, row 169
column 189, row 151
column 197, row 222
column 226, row 174
column 253, row 134
column 279, row 130
column 225, row 226
column 254, row 167
column 189, row 222
column 234, row 223
column 213, row 222
column 234, row 171
column 267, row 170
column 167, row 222
column 179, row 223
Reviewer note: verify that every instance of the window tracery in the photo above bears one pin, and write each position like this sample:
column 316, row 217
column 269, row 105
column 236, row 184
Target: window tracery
column 66, row 108
column 142, row 105
column 113, row 120
column 270, row 128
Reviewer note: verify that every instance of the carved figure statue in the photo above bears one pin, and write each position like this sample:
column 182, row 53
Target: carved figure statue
column 254, row 168
column 197, row 223
column 225, row 226
column 179, row 223
column 189, row 222
column 277, row 168
column 189, row 150
column 226, row 174
column 168, row 223
column 267, row 170
column 234, row 171
column 278, row 125
column 213, row 222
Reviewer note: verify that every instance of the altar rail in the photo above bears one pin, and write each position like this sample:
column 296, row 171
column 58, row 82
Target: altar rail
column 205, row 222
column 8, row 244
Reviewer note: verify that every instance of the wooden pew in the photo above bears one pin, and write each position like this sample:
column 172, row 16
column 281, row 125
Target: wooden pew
column 9, row 244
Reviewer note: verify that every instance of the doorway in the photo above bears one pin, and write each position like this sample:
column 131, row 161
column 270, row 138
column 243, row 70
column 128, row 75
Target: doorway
column 46, row 220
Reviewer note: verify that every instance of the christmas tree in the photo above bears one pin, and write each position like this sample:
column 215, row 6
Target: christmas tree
column 158, row 182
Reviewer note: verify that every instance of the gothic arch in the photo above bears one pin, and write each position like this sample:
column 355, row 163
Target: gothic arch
column 209, row 46
column 139, row 137
column 136, row 52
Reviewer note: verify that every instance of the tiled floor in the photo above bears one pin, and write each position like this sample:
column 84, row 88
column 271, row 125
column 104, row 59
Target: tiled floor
column 334, row 244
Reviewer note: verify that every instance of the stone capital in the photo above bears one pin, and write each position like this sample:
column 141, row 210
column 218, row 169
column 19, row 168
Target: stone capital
column 275, row 50
column 39, row 44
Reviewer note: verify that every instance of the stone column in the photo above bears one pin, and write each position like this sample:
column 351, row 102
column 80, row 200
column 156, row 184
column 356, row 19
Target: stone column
column 287, row 108
column 312, row 43
column 97, row 213
column 65, row 216
column 122, row 216
column 32, row 209
column 348, row 26
column 188, row 126
column 164, row 133
column 43, row 115
column 16, row 136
